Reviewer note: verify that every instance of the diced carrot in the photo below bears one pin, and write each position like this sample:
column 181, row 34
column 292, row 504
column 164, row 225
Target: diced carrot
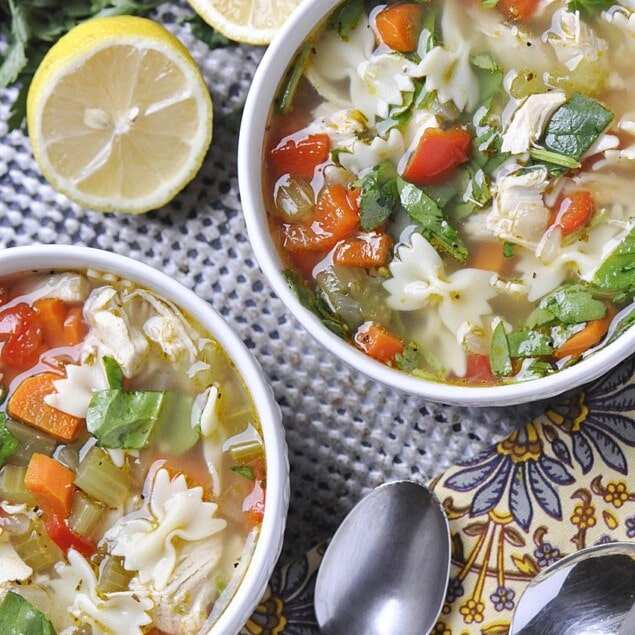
column 363, row 250
column 254, row 505
column 378, row 342
column 573, row 211
column 517, row 10
column 336, row 216
column 75, row 328
column 306, row 261
column 589, row 336
column 51, row 483
column 487, row 256
column 51, row 313
column 337, row 210
column 27, row 404
column 300, row 157
column 399, row 26
column 438, row 154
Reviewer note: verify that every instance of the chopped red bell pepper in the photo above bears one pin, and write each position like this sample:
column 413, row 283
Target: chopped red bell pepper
column 300, row 157
column 437, row 155
column 61, row 534
column 573, row 211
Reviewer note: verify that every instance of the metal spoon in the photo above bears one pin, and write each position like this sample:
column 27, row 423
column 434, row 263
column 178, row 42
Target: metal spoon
column 590, row 592
column 386, row 569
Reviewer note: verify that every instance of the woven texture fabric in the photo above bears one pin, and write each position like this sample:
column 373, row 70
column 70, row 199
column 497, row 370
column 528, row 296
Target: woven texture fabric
column 346, row 434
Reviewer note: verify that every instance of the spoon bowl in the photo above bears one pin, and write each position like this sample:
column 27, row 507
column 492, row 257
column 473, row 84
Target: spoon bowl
column 590, row 592
column 386, row 569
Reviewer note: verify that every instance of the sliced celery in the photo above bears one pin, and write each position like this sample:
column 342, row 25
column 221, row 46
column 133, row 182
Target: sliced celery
column 112, row 576
column 36, row 548
column 85, row 514
column 31, row 441
column 245, row 452
column 100, row 478
column 239, row 417
column 12, row 487
column 175, row 432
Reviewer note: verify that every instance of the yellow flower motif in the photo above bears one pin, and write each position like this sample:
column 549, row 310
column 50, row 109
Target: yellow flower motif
column 584, row 516
column 440, row 629
column 268, row 617
column 472, row 611
column 523, row 445
column 616, row 493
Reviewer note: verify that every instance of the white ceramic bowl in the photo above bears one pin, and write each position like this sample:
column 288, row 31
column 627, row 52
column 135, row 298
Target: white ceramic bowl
column 266, row 82
column 269, row 544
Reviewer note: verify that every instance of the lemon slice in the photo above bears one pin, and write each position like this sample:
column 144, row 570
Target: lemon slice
column 246, row 21
column 119, row 116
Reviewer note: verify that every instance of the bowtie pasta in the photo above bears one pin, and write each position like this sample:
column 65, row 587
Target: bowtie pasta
column 132, row 470
column 451, row 184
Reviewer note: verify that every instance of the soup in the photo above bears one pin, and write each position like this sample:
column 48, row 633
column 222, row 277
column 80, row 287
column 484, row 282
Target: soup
column 450, row 184
column 132, row 469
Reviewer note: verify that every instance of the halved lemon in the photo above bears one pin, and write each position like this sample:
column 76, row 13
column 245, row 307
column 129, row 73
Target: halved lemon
column 246, row 21
column 119, row 115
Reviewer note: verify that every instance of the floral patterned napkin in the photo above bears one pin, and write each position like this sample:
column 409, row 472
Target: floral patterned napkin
column 557, row 484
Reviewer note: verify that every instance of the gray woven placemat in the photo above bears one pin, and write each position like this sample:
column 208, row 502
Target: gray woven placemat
column 346, row 434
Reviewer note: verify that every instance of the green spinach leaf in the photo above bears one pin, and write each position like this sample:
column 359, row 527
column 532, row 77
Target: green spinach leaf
column 379, row 195
column 529, row 343
column 617, row 273
column 18, row 616
column 589, row 9
column 8, row 442
column 499, row 353
column 429, row 215
column 346, row 18
column 575, row 126
column 572, row 304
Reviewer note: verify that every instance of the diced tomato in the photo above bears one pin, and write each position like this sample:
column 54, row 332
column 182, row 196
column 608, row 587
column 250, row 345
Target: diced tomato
column 517, row 10
column 378, row 342
column 479, row 370
column 65, row 538
column 300, row 157
column 437, row 155
column 254, row 504
column 336, row 216
column 22, row 332
column 11, row 318
column 573, row 211
column 363, row 250
column 399, row 26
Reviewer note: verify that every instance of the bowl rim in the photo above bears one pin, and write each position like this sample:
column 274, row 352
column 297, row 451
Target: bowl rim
column 32, row 258
column 265, row 83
